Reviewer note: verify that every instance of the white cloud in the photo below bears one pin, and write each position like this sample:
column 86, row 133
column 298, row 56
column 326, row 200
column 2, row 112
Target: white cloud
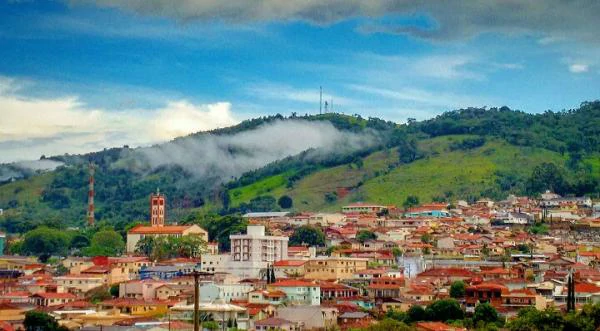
column 421, row 97
column 284, row 92
column 442, row 66
column 578, row 68
column 34, row 126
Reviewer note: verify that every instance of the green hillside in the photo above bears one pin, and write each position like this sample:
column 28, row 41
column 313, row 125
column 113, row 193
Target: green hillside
column 441, row 174
column 463, row 154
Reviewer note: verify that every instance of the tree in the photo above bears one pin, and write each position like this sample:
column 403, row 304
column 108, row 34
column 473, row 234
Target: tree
column 45, row 242
column 145, row 246
column 79, row 241
column 458, row 289
column 397, row 315
column 529, row 319
column 444, row 310
column 426, row 238
column 210, row 325
column 416, row 313
column 189, row 246
column 486, row 313
column 160, row 248
column 389, row 324
column 285, row 202
column 411, row 201
column 365, row 235
column 308, row 235
column 396, row 252
column 114, row 290
column 105, row 242
column 37, row 320
column 546, row 176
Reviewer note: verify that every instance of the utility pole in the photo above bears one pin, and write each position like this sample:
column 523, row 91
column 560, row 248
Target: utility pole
column 196, row 275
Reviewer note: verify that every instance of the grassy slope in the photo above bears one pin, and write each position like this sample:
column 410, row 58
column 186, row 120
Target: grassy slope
column 461, row 172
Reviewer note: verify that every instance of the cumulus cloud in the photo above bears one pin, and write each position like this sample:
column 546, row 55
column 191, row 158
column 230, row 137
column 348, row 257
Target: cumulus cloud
column 226, row 156
column 452, row 19
column 31, row 127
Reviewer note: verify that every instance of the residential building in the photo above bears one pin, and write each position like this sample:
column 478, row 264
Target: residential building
column 334, row 268
column 299, row 292
column 254, row 251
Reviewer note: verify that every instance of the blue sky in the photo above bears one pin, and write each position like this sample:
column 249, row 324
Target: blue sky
column 81, row 75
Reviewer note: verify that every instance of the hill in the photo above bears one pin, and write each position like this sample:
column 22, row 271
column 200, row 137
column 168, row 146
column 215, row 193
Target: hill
column 321, row 162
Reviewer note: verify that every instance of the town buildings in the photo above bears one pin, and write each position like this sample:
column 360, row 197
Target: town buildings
column 506, row 253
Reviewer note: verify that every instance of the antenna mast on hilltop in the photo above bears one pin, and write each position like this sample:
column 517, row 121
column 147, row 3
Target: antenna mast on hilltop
column 320, row 100
column 90, row 213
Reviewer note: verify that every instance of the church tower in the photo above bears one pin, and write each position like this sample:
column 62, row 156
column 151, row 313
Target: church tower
column 157, row 209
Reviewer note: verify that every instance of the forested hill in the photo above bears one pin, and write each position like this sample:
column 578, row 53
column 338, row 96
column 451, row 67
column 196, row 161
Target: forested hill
column 320, row 163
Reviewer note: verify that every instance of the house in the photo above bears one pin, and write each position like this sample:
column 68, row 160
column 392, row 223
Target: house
column 519, row 298
column 222, row 313
column 362, row 208
column 482, row 293
column 226, row 291
column 333, row 268
column 274, row 297
column 298, row 291
column 290, row 268
column 276, row 324
column 11, row 313
column 79, row 284
column 353, row 320
column 170, row 291
column 419, row 294
column 385, row 287
column 52, row 299
column 311, row 317
column 333, row 291
column 140, row 289
column 109, row 274
column 137, row 307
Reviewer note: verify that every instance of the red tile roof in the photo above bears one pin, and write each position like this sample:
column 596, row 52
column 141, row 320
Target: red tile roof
column 289, row 263
column 293, row 283
column 50, row 295
column 167, row 229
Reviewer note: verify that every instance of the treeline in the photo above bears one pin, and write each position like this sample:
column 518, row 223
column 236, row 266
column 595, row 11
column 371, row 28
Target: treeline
column 572, row 131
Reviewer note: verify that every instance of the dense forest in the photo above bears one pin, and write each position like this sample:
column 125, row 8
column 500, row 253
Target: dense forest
column 571, row 139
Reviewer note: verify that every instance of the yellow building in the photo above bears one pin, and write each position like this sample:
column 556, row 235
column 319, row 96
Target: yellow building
column 333, row 268
column 136, row 307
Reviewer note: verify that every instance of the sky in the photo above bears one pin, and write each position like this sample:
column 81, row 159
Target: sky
column 82, row 75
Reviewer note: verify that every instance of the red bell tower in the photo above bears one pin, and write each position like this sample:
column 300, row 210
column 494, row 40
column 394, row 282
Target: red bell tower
column 157, row 209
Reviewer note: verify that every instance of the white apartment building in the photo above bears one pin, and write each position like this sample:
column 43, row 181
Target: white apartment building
column 254, row 251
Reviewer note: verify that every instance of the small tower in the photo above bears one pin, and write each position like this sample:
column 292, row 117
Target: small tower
column 90, row 211
column 157, row 209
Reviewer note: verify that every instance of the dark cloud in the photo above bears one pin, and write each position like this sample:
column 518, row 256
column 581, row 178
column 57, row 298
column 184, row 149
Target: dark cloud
column 576, row 19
